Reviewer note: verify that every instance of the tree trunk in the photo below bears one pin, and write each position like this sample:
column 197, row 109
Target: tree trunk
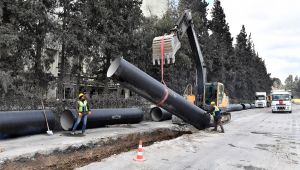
column 38, row 69
column 62, row 59
column 79, row 71
column 105, row 80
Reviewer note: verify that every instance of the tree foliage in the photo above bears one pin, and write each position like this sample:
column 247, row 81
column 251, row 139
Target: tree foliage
column 293, row 84
column 90, row 34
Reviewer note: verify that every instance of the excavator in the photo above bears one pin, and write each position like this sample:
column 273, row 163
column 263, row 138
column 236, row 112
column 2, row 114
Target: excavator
column 164, row 49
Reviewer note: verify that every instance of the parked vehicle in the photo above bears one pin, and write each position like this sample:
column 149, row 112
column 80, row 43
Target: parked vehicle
column 281, row 101
column 261, row 99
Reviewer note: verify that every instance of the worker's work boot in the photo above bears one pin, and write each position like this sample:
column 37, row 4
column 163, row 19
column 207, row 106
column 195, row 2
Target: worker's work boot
column 72, row 133
column 216, row 128
column 222, row 129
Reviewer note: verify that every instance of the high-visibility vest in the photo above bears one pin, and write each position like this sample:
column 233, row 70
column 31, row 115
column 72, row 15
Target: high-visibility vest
column 215, row 110
column 83, row 106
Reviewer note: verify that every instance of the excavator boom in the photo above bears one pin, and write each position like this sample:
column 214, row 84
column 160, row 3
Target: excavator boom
column 171, row 44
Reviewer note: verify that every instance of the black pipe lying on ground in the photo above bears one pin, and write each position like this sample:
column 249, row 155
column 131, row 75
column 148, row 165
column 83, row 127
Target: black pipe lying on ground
column 136, row 80
column 246, row 106
column 158, row 114
column 234, row 107
column 20, row 123
column 252, row 105
column 102, row 117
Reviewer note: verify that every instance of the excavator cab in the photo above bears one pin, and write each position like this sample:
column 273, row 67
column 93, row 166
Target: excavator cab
column 215, row 92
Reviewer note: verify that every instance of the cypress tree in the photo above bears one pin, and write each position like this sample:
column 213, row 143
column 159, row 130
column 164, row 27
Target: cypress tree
column 221, row 47
column 240, row 64
column 251, row 72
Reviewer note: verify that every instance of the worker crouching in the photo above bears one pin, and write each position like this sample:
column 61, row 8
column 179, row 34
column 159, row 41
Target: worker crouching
column 83, row 110
column 217, row 114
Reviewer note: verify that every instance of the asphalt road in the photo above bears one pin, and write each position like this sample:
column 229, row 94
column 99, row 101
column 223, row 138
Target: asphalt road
column 254, row 140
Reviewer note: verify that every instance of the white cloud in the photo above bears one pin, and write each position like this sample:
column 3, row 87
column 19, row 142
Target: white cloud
column 275, row 29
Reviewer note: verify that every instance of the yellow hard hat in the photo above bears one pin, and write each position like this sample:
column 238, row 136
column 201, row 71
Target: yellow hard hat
column 212, row 103
column 80, row 95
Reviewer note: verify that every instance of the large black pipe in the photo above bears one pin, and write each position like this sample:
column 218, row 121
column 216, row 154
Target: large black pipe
column 234, row 107
column 158, row 114
column 136, row 80
column 102, row 117
column 20, row 123
column 246, row 106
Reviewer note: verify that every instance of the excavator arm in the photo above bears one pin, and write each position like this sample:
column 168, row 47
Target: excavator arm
column 171, row 43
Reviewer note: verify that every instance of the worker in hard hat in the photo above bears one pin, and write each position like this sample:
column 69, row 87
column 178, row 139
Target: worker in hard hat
column 83, row 110
column 216, row 113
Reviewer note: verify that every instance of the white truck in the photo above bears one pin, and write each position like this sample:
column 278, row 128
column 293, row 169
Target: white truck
column 281, row 101
column 260, row 99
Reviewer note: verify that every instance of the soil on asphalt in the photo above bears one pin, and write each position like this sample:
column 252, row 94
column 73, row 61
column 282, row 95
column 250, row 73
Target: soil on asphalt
column 73, row 156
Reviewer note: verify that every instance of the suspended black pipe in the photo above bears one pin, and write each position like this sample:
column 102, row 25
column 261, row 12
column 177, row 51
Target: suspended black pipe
column 20, row 123
column 102, row 117
column 136, row 80
column 158, row 114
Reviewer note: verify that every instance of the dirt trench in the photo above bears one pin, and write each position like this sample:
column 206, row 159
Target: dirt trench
column 74, row 157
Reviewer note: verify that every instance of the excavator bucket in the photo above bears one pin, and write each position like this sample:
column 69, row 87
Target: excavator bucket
column 169, row 44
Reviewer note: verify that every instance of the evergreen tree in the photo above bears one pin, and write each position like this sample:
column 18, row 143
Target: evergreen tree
column 296, row 79
column 24, row 28
column 251, row 72
column 296, row 92
column 8, row 39
column 240, row 64
column 35, row 22
column 223, row 65
column 185, row 61
column 289, row 82
column 293, row 85
column 277, row 84
column 96, row 32
column 114, row 24
column 74, row 37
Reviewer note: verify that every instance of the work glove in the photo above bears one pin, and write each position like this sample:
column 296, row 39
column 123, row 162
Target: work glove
column 80, row 114
column 90, row 113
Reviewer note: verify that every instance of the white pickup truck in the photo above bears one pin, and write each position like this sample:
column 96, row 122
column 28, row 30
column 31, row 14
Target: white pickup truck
column 281, row 101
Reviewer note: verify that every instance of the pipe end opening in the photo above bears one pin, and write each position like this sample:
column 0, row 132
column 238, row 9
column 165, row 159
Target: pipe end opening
column 156, row 114
column 66, row 120
column 113, row 67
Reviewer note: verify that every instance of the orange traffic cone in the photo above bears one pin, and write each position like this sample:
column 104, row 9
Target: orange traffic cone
column 139, row 156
